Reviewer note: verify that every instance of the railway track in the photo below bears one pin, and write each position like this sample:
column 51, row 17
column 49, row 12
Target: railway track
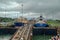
column 23, row 33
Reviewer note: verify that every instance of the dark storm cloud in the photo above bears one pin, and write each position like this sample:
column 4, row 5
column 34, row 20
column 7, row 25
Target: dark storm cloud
column 33, row 7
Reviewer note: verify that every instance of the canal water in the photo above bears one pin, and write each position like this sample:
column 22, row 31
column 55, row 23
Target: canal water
column 38, row 37
column 5, row 37
column 6, row 33
column 42, row 37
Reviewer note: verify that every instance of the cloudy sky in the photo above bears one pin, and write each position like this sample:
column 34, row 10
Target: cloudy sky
column 31, row 8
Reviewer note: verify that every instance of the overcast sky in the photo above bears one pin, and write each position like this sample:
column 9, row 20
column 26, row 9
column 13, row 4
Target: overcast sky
column 31, row 8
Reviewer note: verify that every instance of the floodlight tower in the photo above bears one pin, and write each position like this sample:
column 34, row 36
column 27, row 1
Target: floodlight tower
column 22, row 9
column 22, row 12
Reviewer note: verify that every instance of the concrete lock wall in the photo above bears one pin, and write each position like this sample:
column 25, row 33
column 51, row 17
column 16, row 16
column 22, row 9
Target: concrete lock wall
column 45, row 31
column 7, row 31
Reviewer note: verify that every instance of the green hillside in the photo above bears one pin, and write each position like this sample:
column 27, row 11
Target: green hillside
column 6, row 19
column 54, row 22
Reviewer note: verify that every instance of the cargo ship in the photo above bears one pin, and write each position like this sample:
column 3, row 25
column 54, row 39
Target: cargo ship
column 20, row 22
column 41, row 27
column 43, row 30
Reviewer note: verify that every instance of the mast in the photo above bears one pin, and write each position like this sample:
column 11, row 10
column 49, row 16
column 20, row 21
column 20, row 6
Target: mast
column 41, row 17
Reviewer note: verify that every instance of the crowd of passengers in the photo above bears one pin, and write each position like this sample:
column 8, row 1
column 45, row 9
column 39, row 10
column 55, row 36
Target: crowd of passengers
column 57, row 37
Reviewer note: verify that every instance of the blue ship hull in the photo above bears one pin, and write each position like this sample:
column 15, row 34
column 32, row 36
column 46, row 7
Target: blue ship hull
column 41, row 29
column 18, row 24
column 40, row 25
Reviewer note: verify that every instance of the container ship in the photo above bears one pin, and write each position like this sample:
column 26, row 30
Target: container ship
column 42, row 27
